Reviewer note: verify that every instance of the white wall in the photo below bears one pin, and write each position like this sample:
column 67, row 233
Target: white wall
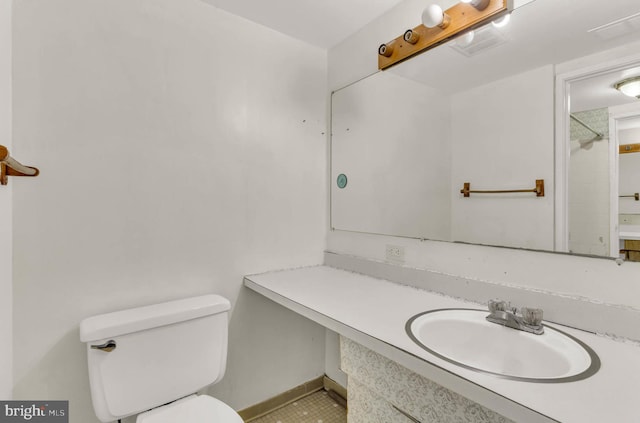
column 502, row 139
column 180, row 147
column 6, row 346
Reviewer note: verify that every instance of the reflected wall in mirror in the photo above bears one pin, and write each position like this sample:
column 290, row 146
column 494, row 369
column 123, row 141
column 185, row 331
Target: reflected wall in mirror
column 629, row 171
column 628, row 131
column 391, row 139
column 601, row 120
column 408, row 138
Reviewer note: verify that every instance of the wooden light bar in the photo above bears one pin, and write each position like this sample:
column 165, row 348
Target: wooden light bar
column 461, row 17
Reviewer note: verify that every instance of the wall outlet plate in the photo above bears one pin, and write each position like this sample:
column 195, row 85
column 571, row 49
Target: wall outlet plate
column 394, row 253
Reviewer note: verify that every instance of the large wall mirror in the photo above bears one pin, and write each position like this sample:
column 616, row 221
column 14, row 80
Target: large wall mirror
column 481, row 110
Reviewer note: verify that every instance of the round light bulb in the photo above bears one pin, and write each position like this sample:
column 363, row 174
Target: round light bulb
column 466, row 39
column 502, row 22
column 432, row 16
column 478, row 4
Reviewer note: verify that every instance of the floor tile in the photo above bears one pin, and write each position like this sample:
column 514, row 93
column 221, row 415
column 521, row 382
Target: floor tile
column 315, row 408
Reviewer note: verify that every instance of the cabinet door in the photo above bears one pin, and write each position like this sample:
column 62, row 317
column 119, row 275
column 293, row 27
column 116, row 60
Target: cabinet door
column 397, row 388
column 365, row 406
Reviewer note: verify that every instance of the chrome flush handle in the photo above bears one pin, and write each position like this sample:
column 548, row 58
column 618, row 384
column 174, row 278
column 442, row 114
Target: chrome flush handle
column 106, row 347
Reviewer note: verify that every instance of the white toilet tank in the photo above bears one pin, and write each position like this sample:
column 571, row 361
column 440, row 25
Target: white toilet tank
column 162, row 352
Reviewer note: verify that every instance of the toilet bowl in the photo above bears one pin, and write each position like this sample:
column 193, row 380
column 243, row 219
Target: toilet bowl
column 150, row 361
column 193, row 409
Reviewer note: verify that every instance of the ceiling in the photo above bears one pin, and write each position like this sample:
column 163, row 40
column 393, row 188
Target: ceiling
column 322, row 23
column 541, row 32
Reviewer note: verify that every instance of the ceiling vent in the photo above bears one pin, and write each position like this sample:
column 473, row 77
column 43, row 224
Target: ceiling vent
column 617, row 28
column 484, row 38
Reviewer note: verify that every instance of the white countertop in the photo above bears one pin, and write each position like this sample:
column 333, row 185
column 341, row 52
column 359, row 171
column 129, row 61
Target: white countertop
column 374, row 312
column 631, row 232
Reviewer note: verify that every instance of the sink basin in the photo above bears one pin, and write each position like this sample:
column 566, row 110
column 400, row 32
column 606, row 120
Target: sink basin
column 465, row 338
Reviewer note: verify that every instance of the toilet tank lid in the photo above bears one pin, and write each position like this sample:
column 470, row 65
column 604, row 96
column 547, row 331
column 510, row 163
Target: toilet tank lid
column 137, row 319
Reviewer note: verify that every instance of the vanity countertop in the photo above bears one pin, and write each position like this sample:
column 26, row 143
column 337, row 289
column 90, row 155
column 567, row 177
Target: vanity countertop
column 373, row 312
column 631, row 232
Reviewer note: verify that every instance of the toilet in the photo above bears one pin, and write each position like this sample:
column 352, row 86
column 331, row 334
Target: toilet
column 152, row 360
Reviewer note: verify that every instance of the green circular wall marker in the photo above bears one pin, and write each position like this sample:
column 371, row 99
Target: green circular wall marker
column 342, row 180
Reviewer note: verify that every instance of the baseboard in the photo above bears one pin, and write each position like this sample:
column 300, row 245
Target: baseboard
column 331, row 386
column 265, row 407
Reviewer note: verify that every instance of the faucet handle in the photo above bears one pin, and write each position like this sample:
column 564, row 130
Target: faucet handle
column 532, row 316
column 498, row 305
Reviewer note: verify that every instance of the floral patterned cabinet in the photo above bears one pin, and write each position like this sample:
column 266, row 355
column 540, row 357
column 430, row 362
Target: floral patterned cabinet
column 382, row 391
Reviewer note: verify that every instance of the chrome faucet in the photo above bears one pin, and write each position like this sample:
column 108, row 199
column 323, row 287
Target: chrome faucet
column 525, row 319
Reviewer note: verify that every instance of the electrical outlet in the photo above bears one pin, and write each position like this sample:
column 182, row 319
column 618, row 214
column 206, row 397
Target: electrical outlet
column 394, row 253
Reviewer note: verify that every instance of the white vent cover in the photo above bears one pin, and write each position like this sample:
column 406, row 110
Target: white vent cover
column 617, row 28
column 485, row 38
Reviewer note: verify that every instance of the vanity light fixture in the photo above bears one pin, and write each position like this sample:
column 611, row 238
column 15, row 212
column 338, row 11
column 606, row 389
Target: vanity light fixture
column 629, row 86
column 439, row 26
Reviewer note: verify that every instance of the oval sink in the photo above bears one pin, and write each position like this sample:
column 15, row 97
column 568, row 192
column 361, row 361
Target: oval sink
column 465, row 338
